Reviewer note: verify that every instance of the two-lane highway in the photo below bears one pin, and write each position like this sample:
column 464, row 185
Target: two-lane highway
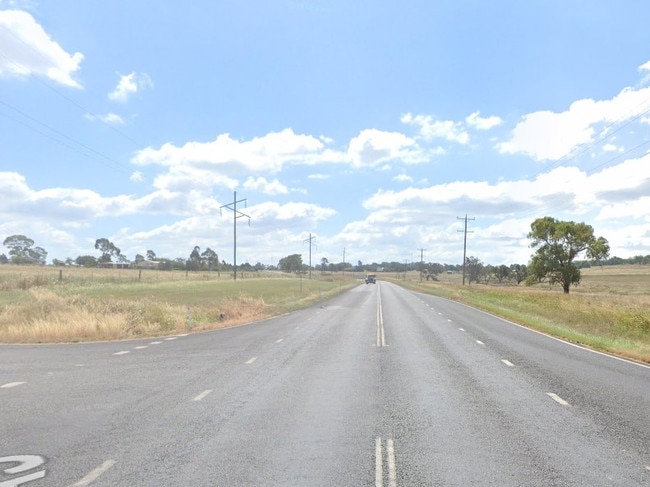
column 378, row 387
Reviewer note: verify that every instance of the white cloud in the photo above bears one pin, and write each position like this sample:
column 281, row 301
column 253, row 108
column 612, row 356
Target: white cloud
column 130, row 84
column 437, row 129
column 403, row 178
column 137, row 177
column 28, row 50
column 548, row 135
column 372, row 148
column 612, row 148
column 262, row 154
column 261, row 185
column 110, row 118
column 483, row 123
column 319, row 176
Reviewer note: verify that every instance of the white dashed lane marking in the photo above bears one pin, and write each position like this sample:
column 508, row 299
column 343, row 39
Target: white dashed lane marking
column 557, row 399
column 155, row 343
column 202, row 395
column 12, row 384
column 95, row 474
column 508, row 363
column 251, row 360
column 123, row 352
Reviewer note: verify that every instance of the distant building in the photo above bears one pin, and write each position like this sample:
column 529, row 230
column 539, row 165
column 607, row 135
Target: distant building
column 116, row 265
column 148, row 264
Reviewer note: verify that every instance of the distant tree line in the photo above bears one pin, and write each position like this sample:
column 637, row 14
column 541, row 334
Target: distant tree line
column 557, row 243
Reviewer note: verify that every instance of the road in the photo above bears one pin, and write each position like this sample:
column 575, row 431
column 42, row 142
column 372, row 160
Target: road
column 379, row 387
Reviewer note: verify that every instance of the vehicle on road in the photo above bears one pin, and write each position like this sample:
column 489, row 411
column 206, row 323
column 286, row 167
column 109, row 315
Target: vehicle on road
column 371, row 278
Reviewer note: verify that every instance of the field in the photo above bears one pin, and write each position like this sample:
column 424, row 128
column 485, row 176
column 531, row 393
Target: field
column 608, row 311
column 48, row 305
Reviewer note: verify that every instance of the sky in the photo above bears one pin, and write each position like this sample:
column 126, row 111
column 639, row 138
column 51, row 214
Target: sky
column 374, row 127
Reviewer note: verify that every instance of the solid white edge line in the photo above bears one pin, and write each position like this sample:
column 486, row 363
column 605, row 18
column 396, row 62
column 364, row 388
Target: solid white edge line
column 379, row 469
column 12, row 384
column 392, row 469
column 95, row 474
column 576, row 345
column 202, row 396
column 557, row 399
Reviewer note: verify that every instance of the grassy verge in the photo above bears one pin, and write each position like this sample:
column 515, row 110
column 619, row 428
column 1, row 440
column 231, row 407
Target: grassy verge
column 45, row 307
column 592, row 315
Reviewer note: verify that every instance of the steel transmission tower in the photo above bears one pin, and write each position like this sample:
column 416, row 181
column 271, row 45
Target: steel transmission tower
column 464, row 243
column 236, row 214
column 309, row 240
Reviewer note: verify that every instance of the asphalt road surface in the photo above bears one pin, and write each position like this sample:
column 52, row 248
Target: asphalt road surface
column 377, row 387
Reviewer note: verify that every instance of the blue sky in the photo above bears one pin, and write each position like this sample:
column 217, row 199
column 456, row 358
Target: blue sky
column 371, row 125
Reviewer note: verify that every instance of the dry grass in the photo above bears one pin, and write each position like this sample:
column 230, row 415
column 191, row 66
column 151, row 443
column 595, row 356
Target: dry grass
column 83, row 305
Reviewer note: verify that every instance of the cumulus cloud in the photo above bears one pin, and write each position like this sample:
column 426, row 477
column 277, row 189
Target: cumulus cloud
column 75, row 206
column 437, row 129
column 130, row 84
column 28, row 50
column 261, row 185
column 403, row 178
column 230, row 156
column 564, row 189
column 546, row 135
column 483, row 123
column 374, row 147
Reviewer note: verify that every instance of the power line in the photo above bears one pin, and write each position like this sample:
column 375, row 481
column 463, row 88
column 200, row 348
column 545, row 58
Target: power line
column 421, row 262
column 236, row 214
column 309, row 240
column 114, row 164
column 464, row 243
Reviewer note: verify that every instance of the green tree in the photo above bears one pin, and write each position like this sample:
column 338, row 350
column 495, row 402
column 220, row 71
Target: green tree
column 151, row 255
column 210, row 258
column 195, row 262
column 501, row 272
column 22, row 252
column 475, row 269
column 558, row 243
column 86, row 261
column 108, row 250
column 291, row 263
column 519, row 272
